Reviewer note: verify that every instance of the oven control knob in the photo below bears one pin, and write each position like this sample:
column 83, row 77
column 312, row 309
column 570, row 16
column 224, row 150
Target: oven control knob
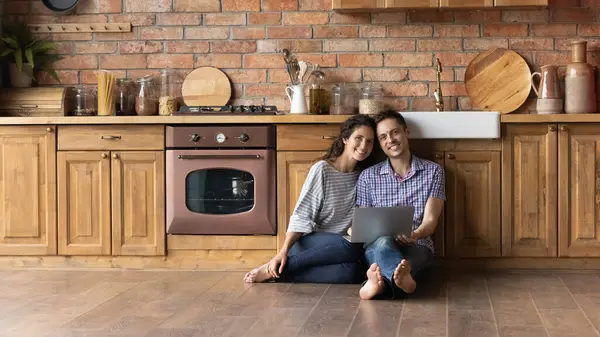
column 220, row 138
column 244, row 137
column 195, row 137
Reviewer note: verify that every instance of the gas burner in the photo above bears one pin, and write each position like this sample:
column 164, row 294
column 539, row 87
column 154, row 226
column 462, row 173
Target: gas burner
column 228, row 109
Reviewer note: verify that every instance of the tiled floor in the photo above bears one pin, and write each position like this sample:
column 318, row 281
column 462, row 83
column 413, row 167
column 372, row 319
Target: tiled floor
column 137, row 303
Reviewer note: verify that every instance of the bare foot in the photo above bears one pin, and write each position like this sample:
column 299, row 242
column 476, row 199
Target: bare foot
column 374, row 285
column 403, row 279
column 257, row 275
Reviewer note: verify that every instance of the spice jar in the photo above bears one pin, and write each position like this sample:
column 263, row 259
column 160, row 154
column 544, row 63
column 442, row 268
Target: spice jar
column 82, row 101
column 125, row 97
column 343, row 100
column 371, row 99
column 146, row 103
column 318, row 98
column 167, row 100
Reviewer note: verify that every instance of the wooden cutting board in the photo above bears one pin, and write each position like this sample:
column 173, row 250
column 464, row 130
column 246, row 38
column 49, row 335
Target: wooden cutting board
column 206, row 86
column 498, row 80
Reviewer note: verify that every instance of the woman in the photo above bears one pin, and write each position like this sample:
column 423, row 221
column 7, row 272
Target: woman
column 315, row 249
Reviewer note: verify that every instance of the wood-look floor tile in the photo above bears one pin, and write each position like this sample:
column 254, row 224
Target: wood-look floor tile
column 278, row 322
column 471, row 323
column 567, row 322
column 582, row 283
column 590, row 304
column 172, row 333
column 376, row 318
column 554, row 299
column 331, row 317
column 522, row 331
column 424, row 317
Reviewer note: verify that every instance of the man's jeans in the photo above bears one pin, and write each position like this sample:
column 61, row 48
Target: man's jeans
column 388, row 254
column 324, row 258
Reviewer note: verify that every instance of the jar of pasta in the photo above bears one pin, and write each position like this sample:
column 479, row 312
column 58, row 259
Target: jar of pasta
column 169, row 92
column 371, row 99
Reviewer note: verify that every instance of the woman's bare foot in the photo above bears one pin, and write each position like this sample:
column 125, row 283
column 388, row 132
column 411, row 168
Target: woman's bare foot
column 257, row 275
column 403, row 279
column 374, row 285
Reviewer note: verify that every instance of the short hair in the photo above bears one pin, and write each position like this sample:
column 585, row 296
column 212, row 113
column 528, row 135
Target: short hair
column 389, row 113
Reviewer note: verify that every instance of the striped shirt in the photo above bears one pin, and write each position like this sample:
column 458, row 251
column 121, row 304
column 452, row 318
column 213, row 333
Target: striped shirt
column 326, row 202
column 380, row 186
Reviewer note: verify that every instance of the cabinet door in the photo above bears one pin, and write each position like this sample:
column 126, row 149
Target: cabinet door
column 473, row 213
column 83, row 203
column 292, row 169
column 27, row 190
column 358, row 4
column 138, row 203
column 399, row 4
column 517, row 3
column 529, row 190
column 579, row 190
column 466, row 3
column 440, row 232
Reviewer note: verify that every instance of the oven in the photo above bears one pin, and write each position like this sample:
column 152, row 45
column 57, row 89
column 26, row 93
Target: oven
column 221, row 179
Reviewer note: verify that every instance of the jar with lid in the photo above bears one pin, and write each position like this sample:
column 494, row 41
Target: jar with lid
column 170, row 87
column 146, row 103
column 318, row 98
column 82, row 101
column 125, row 97
column 371, row 99
column 343, row 100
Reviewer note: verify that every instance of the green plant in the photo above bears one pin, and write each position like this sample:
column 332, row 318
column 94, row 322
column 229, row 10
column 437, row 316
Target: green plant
column 19, row 44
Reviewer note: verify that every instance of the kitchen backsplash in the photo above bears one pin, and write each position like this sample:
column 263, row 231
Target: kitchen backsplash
column 241, row 37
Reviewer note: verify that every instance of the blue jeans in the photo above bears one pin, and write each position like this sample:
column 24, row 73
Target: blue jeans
column 324, row 258
column 388, row 254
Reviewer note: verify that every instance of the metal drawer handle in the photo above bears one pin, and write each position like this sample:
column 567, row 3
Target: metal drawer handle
column 29, row 106
column 111, row 137
column 218, row 156
column 328, row 137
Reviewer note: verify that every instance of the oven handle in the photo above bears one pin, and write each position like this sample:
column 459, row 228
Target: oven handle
column 219, row 156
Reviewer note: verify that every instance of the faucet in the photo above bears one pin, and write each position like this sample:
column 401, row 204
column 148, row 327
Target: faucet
column 439, row 98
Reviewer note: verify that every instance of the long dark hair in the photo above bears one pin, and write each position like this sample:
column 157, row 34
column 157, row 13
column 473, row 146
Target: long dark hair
column 351, row 124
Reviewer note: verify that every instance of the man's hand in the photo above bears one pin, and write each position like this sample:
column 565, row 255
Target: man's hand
column 405, row 240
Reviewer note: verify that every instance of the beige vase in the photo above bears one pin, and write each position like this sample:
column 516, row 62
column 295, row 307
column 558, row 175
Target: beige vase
column 21, row 79
column 580, row 90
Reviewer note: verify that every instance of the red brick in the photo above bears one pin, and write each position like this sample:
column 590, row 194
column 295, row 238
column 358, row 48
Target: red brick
column 16, row 7
column 430, row 17
column 373, row 31
column 576, row 15
column 386, row 75
column 305, row 18
column 456, row 30
column 464, row 103
column 589, row 30
column 392, row 45
column 264, row 18
column 459, row 74
column 91, row 77
column 388, row 18
column 532, row 44
column 240, row 5
column 526, row 16
column 565, row 44
column 279, row 5
column 134, row 19
column 246, row 76
column 409, row 60
column 428, row 104
column 248, row 33
column 197, row 6
column 430, row 74
column 180, row 47
column 77, row 62
column 322, row 32
column 84, row 19
column 263, row 61
column 301, row 46
column 324, row 60
column 247, row 101
column 64, row 48
column 350, row 18
column 555, row 58
column 439, row 44
column 572, row 3
column 339, row 75
column 278, row 76
column 123, row 62
column 361, row 60
column 345, row 45
column 140, row 47
column 455, row 59
column 129, row 36
column 139, row 73
column 505, row 30
column 397, row 103
column 37, row 7
column 99, row 6
column 219, row 61
column 233, row 47
column 171, row 61
column 96, row 47
column 66, row 77
column 206, row 33
column 161, row 33
column 451, row 88
column 151, row 6
column 74, row 36
column 483, row 44
column 224, row 19
column 282, row 103
column 486, row 16
column 405, row 89
column 289, row 32
column 33, row 19
column 315, row 5
column 179, row 19
column 553, row 30
column 267, row 46
column 265, row 90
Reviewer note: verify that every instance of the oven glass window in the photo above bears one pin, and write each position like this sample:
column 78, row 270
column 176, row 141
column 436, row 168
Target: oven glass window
column 219, row 191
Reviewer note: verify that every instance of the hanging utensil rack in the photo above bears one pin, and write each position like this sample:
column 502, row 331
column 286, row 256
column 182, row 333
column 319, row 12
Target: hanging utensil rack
column 81, row 28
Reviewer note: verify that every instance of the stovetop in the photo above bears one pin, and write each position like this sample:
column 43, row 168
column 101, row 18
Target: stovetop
column 228, row 110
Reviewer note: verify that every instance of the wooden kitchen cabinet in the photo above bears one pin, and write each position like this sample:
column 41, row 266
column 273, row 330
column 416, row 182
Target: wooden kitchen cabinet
column 341, row 5
column 466, row 3
column 520, row 3
column 407, row 4
column 28, row 190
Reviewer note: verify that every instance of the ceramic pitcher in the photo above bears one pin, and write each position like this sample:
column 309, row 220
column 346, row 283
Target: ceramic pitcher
column 296, row 95
column 549, row 86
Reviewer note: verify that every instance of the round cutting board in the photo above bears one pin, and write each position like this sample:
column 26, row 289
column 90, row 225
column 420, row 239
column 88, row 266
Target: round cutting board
column 498, row 79
column 206, row 86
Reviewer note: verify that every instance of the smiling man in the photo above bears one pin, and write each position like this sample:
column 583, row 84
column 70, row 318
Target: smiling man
column 402, row 179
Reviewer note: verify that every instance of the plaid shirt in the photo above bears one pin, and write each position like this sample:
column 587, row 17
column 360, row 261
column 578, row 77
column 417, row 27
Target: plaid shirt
column 380, row 186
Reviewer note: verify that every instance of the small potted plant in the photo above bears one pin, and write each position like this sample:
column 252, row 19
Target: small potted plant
column 26, row 54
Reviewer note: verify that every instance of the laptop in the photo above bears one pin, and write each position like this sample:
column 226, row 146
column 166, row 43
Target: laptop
column 370, row 223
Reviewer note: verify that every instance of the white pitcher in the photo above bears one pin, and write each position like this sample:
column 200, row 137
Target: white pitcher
column 297, row 99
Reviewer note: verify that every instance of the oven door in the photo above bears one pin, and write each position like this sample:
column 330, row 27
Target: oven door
column 221, row 192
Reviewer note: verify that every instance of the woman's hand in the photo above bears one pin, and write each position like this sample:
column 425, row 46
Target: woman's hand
column 405, row 240
column 277, row 263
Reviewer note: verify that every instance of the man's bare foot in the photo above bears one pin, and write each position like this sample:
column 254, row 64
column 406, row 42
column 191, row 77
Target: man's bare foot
column 374, row 285
column 403, row 279
column 257, row 275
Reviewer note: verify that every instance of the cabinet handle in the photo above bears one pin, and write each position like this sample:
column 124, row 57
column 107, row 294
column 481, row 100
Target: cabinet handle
column 328, row 137
column 552, row 128
column 110, row 137
column 104, row 155
column 49, row 130
column 115, row 156
column 439, row 156
column 451, row 156
column 563, row 128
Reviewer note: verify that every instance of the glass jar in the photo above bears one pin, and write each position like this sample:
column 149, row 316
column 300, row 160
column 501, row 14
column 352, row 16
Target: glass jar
column 371, row 99
column 318, row 98
column 343, row 100
column 146, row 103
column 125, row 97
column 169, row 92
column 82, row 101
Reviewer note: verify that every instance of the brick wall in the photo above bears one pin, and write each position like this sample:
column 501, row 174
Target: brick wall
column 241, row 37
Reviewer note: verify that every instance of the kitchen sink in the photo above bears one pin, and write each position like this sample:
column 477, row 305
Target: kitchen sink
column 453, row 124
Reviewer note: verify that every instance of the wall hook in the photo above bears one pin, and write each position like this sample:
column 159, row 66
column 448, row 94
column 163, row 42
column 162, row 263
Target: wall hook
column 91, row 27
column 49, row 28
column 63, row 28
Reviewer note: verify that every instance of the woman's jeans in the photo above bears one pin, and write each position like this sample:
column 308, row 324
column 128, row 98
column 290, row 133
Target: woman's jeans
column 388, row 254
column 324, row 258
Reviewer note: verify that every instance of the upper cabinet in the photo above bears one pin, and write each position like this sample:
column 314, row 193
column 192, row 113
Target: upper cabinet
column 358, row 4
column 374, row 5
column 466, row 3
column 520, row 3
column 399, row 4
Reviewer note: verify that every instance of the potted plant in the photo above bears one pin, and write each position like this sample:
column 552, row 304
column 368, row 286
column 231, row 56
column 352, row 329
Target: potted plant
column 26, row 54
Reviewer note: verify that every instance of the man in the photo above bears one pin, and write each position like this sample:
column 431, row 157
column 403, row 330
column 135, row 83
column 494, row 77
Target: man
column 402, row 179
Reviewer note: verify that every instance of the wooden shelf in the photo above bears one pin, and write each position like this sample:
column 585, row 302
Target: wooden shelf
column 81, row 28
column 555, row 118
